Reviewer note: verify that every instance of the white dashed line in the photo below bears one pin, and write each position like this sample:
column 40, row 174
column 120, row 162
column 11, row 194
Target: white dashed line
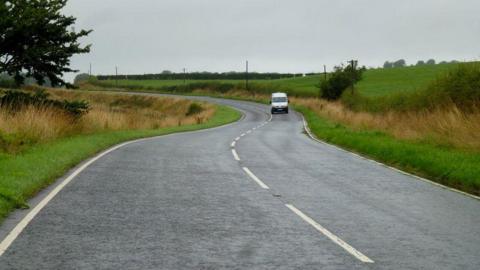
column 259, row 182
column 233, row 144
column 248, row 132
column 238, row 138
column 330, row 235
column 235, row 155
column 243, row 134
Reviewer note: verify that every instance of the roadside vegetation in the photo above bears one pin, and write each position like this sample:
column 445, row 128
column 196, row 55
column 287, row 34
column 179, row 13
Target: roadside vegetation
column 423, row 119
column 40, row 141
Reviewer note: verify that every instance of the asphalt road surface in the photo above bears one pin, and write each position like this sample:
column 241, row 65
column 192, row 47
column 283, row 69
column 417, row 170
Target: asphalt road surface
column 270, row 199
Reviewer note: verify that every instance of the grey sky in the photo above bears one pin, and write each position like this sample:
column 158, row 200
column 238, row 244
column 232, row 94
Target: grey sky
column 147, row 36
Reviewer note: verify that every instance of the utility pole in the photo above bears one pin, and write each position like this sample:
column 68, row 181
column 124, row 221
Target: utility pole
column 184, row 76
column 353, row 64
column 90, row 70
column 116, row 76
column 246, row 77
column 325, row 72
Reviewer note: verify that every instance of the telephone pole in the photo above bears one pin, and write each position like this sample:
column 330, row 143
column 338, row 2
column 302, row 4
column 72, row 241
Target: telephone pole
column 90, row 70
column 116, row 76
column 353, row 64
column 246, row 76
column 325, row 72
column 184, row 76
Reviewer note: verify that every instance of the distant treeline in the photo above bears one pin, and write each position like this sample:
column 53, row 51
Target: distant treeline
column 203, row 76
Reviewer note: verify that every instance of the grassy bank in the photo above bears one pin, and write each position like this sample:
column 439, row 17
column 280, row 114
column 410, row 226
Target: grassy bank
column 26, row 171
column 451, row 167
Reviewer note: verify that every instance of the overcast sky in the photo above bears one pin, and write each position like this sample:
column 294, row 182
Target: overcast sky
column 148, row 36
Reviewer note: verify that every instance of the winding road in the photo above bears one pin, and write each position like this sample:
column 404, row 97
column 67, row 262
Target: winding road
column 256, row 194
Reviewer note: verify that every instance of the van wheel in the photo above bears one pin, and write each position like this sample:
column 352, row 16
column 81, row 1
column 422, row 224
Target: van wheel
column 286, row 111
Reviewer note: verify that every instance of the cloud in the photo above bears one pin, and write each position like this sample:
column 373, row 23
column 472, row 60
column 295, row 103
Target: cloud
column 275, row 35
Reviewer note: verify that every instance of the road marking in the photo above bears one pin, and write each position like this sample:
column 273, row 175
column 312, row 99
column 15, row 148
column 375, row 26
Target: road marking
column 26, row 220
column 313, row 137
column 254, row 128
column 233, row 144
column 255, row 178
column 330, row 235
column 248, row 132
column 243, row 134
column 238, row 138
column 235, row 155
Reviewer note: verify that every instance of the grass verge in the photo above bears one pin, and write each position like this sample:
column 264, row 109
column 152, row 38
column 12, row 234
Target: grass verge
column 23, row 175
column 450, row 167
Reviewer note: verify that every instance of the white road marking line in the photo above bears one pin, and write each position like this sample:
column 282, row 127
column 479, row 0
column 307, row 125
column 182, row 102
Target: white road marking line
column 254, row 128
column 248, row 132
column 243, row 134
column 233, row 144
column 235, row 155
column 17, row 230
column 26, row 220
column 238, row 138
column 310, row 134
column 255, row 178
column 330, row 235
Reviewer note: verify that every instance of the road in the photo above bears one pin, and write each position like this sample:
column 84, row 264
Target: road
column 270, row 199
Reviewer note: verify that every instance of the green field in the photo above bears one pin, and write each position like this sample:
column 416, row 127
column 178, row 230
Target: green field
column 376, row 82
column 379, row 82
column 23, row 175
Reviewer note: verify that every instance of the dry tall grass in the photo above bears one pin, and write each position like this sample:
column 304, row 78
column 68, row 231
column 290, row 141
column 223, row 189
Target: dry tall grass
column 443, row 126
column 108, row 112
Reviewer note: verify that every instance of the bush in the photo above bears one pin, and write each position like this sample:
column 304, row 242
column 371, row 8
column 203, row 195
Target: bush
column 193, row 109
column 339, row 81
column 16, row 100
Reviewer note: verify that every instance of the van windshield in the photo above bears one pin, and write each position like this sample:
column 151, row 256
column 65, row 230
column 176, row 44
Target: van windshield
column 279, row 99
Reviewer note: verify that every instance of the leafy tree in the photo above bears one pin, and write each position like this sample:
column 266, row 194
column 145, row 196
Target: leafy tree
column 82, row 77
column 387, row 64
column 35, row 40
column 431, row 62
column 399, row 63
column 341, row 79
column 420, row 63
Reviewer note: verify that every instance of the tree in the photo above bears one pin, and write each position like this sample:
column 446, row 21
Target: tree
column 431, row 62
column 81, row 78
column 35, row 40
column 341, row 79
column 399, row 63
column 387, row 64
column 420, row 63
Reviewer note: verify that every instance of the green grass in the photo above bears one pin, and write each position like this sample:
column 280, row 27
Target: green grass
column 301, row 86
column 23, row 175
column 380, row 82
column 376, row 82
column 451, row 167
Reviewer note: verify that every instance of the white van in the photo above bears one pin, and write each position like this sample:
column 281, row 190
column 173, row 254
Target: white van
column 279, row 103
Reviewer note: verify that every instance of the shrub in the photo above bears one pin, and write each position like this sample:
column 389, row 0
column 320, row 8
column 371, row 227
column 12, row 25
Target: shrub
column 339, row 81
column 16, row 100
column 193, row 109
